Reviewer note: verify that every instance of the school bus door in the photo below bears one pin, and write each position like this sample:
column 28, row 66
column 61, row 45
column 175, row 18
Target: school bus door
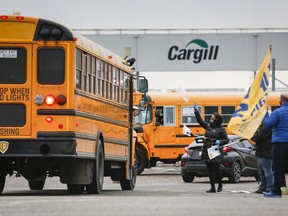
column 15, row 90
column 165, row 135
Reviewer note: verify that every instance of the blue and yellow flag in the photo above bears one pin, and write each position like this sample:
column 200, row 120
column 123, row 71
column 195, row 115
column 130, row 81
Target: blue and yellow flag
column 249, row 114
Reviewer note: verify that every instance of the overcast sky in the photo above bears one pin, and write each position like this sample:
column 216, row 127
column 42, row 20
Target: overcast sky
column 91, row 14
column 155, row 13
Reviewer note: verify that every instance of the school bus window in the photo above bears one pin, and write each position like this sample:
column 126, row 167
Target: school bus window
column 126, row 86
column 78, row 68
column 89, row 85
column 110, row 82
column 12, row 115
column 123, row 87
column 169, row 115
column 208, row 111
column 227, row 112
column 274, row 107
column 188, row 116
column 116, row 83
column 51, row 66
column 100, row 78
column 13, row 65
column 84, row 70
column 93, row 78
column 159, row 115
column 106, row 77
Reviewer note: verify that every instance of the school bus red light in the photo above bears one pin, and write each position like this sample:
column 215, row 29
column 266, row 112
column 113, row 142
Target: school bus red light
column 75, row 38
column 61, row 100
column 60, row 126
column 50, row 100
column 19, row 17
column 49, row 119
column 4, row 17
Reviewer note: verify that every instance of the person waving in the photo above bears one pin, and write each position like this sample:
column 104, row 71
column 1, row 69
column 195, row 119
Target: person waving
column 215, row 134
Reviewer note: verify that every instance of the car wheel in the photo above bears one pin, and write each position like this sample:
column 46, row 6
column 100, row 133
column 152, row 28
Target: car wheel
column 235, row 174
column 188, row 178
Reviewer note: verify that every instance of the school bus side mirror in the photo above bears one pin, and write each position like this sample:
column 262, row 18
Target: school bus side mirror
column 143, row 85
column 136, row 110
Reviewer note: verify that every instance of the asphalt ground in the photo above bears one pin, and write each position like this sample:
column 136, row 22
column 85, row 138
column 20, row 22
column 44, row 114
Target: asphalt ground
column 159, row 191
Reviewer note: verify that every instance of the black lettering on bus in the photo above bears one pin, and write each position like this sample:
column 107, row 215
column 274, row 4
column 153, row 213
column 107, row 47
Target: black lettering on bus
column 9, row 131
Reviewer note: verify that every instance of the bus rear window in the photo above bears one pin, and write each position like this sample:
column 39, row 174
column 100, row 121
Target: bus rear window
column 12, row 65
column 12, row 115
column 51, row 66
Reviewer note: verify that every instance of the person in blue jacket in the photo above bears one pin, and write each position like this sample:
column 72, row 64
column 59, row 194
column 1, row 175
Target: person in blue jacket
column 278, row 121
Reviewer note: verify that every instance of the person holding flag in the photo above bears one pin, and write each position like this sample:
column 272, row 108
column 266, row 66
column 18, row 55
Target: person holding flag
column 278, row 121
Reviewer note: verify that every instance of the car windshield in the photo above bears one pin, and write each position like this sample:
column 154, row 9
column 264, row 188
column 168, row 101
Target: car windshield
column 145, row 116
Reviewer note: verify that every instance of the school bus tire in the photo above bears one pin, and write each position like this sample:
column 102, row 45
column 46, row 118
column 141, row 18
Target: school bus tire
column 75, row 188
column 2, row 182
column 141, row 160
column 98, row 172
column 36, row 185
column 129, row 184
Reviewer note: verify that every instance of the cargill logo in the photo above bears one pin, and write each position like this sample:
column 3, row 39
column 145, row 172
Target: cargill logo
column 201, row 52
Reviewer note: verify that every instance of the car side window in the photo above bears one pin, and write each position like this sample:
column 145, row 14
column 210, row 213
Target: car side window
column 247, row 144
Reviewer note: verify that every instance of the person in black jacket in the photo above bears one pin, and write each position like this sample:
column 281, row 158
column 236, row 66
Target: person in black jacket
column 263, row 145
column 215, row 134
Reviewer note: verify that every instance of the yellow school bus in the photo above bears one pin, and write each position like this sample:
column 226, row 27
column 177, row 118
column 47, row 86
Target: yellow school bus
column 66, row 108
column 159, row 125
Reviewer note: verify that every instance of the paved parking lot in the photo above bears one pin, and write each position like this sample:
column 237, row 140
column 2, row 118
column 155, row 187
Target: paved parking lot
column 160, row 191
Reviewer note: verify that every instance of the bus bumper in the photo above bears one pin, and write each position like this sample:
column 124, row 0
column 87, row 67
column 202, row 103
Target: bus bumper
column 64, row 147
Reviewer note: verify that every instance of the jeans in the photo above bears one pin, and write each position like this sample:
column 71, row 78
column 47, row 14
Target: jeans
column 265, row 174
column 280, row 156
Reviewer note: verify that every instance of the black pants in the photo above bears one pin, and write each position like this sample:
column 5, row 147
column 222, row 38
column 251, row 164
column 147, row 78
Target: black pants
column 279, row 157
column 214, row 173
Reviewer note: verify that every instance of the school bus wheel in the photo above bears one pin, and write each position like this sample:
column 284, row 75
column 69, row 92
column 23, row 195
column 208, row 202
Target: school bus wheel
column 2, row 182
column 141, row 160
column 98, row 171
